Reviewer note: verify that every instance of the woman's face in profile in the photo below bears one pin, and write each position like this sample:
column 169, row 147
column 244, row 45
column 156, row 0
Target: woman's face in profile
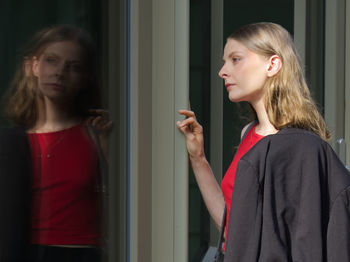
column 60, row 70
column 244, row 72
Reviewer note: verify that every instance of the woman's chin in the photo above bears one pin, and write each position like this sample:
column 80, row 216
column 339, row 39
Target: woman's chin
column 59, row 99
column 235, row 99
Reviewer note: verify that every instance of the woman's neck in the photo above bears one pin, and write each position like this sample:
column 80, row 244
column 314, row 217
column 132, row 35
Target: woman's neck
column 55, row 116
column 264, row 126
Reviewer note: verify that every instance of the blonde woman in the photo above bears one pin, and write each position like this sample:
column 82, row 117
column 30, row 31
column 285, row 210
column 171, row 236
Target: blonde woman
column 286, row 192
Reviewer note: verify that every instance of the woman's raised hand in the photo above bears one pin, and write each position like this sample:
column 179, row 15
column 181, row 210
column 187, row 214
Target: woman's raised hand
column 100, row 121
column 205, row 178
column 193, row 133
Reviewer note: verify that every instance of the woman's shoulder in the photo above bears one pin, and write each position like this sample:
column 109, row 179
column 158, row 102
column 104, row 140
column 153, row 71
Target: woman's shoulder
column 295, row 145
column 12, row 137
column 289, row 143
column 15, row 131
column 298, row 137
column 291, row 147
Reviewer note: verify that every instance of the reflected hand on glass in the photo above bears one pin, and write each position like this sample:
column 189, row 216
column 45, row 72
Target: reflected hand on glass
column 100, row 121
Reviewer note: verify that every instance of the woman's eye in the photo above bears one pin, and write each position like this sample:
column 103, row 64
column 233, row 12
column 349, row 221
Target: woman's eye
column 75, row 67
column 235, row 59
column 51, row 60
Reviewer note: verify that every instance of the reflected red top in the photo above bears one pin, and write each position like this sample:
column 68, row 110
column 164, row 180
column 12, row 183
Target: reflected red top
column 228, row 181
column 64, row 198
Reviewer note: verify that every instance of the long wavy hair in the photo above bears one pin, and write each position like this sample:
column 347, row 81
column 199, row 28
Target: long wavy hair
column 22, row 101
column 287, row 101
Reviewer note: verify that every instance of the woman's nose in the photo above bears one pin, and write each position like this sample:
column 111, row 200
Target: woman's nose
column 222, row 73
column 60, row 68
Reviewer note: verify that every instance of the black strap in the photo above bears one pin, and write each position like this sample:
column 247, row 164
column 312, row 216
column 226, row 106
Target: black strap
column 102, row 188
column 102, row 183
column 248, row 129
column 221, row 237
column 223, row 223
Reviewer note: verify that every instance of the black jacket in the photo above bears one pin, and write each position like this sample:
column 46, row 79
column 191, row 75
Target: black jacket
column 15, row 196
column 290, row 202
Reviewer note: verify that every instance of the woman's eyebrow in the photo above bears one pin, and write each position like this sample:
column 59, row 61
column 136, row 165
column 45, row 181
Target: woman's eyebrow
column 74, row 61
column 50, row 54
column 232, row 54
column 56, row 55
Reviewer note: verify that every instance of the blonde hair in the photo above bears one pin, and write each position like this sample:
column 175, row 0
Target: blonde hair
column 23, row 98
column 288, row 101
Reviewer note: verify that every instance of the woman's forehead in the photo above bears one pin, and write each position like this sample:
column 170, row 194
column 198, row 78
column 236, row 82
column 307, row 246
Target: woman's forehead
column 64, row 49
column 233, row 47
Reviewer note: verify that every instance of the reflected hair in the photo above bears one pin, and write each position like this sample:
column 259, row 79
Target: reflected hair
column 23, row 98
column 287, row 101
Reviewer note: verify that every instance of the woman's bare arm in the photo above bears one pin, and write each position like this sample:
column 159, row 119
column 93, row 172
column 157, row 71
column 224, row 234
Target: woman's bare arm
column 209, row 187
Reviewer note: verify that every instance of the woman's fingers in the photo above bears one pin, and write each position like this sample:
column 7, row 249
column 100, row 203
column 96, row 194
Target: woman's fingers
column 188, row 122
column 97, row 121
column 88, row 121
column 193, row 133
column 189, row 125
column 99, row 112
column 107, row 126
column 184, row 129
column 102, row 124
column 186, row 113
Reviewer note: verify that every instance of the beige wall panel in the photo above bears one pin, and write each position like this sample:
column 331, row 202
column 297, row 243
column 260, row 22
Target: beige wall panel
column 334, row 67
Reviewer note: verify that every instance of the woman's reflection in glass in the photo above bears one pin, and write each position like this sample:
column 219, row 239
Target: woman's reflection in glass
column 51, row 99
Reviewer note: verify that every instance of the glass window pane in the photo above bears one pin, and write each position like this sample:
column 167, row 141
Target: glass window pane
column 55, row 158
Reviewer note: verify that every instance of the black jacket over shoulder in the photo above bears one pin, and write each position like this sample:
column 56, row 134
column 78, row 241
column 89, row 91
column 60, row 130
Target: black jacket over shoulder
column 15, row 197
column 290, row 202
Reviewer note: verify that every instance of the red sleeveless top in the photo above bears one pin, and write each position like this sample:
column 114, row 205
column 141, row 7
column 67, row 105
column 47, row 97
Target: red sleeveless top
column 228, row 181
column 64, row 197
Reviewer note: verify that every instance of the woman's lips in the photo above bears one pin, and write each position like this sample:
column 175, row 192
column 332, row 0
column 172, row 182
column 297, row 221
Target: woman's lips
column 229, row 86
column 55, row 85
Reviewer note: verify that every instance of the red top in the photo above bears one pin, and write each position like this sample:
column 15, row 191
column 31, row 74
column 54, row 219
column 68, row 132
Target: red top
column 64, row 198
column 227, row 182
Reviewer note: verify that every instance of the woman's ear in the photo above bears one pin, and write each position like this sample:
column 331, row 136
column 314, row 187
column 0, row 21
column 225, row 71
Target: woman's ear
column 274, row 65
column 35, row 68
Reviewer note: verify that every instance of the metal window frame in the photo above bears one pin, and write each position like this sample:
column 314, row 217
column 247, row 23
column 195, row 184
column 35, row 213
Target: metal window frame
column 119, row 87
column 160, row 82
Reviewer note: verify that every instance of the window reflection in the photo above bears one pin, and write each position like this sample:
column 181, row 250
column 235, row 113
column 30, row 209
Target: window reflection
column 57, row 152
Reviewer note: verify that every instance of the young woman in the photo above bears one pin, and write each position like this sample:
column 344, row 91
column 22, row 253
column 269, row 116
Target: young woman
column 286, row 192
column 51, row 97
